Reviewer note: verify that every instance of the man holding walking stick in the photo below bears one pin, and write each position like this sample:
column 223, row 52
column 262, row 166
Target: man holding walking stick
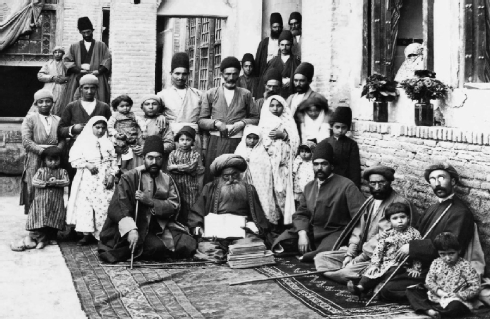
column 155, row 234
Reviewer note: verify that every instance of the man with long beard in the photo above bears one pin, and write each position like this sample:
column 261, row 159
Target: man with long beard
column 361, row 234
column 327, row 205
column 224, row 113
column 295, row 21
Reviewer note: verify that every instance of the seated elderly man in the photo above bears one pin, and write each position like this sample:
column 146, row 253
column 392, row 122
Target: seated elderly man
column 326, row 207
column 154, row 234
column 361, row 234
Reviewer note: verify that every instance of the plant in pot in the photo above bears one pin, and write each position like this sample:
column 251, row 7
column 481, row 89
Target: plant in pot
column 423, row 88
column 382, row 91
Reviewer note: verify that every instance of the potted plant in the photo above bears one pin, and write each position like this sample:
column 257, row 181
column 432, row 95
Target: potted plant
column 423, row 88
column 382, row 91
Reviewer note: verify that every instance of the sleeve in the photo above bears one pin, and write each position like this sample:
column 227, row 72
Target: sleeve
column 28, row 135
column 121, row 208
column 196, row 110
column 169, row 206
column 355, row 165
column 110, row 126
column 65, row 122
column 141, row 123
column 355, row 238
column 37, row 182
column 354, row 199
column 252, row 115
column 43, row 74
column 205, row 122
column 69, row 61
column 65, row 180
column 301, row 218
column 168, row 141
column 106, row 63
column 431, row 279
column 79, row 163
column 171, row 161
column 473, row 283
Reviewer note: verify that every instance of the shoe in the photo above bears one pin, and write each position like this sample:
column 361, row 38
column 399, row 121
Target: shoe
column 86, row 240
column 40, row 245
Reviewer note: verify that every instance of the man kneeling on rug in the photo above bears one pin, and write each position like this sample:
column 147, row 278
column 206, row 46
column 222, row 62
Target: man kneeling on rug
column 155, row 234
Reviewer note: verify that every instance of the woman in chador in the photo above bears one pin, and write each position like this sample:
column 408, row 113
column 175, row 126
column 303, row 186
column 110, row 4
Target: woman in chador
column 281, row 140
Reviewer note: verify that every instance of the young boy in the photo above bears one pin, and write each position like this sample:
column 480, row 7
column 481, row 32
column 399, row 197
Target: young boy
column 303, row 169
column 383, row 260
column 451, row 282
column 346, row 152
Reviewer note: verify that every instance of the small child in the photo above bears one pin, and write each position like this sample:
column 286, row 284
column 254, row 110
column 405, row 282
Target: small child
column 312, row 115
column 123, row 121
column 383, row 260
column 346, row 151
column 303, row 169
column 47, row 212
column 184, row 164
column 259, row 170
column 451, row 282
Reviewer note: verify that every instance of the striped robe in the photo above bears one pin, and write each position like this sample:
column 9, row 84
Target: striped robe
column 48, row 208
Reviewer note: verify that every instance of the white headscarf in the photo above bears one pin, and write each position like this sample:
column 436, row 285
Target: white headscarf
column 90, row 148
column 411, row 63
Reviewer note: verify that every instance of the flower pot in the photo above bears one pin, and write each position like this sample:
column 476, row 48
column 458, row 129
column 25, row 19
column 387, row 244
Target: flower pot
column 380, row 111
column 424, row 114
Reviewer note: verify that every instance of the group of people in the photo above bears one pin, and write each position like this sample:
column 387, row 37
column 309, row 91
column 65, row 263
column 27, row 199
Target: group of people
column 266, row 148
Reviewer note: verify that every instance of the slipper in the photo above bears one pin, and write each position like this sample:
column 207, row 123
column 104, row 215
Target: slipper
column 40, row 245
column 19, row 246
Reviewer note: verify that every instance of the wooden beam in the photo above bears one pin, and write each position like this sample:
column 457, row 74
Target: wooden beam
column 469, row 41
column 428, row 32
column 366, row 41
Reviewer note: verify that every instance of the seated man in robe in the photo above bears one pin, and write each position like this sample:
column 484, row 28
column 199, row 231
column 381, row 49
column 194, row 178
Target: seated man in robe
column 155, row 234
column 353, row 250
column 327, row 205
column 228, row 194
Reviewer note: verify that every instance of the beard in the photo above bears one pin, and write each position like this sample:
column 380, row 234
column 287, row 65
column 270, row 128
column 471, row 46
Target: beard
column 381, row 194
column 441, row 192
column 275, row 34
column 295, row 31
column 232, row 190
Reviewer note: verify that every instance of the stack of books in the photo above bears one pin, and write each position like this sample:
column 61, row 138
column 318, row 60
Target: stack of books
column 248, row 254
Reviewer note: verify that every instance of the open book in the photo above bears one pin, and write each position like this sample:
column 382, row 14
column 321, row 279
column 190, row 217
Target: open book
column 224, row 226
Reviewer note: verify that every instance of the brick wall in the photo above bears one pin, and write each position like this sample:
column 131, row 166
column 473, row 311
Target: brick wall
column 74, row 9
column 410, row 149
column 133, row 47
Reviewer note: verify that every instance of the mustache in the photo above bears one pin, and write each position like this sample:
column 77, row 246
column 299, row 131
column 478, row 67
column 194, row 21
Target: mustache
column 231, row 81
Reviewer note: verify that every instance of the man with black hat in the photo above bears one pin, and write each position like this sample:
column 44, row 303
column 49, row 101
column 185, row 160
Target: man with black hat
column 295, row 21
column 224, row 113
column 88, row 56
column 327, row 205
column 154, row 234
column 286, row 63
column 303, row 76
column 353, row 250
column 272, row 86
column 268, row 48
column 449, row 214
column 247, row 80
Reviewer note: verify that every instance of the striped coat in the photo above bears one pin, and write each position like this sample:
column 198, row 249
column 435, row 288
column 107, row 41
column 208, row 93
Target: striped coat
column 48, row 208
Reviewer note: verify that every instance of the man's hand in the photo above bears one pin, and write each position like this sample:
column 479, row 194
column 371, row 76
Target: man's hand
column 144, row 198
column 237, row 127
column 110, row 182
column 414, row 273
column 138, row 150
column 77, row 128
column 220, row 126
column 83, row 71
column 133, row 237
column 402, row 253
column 161, row 122
column 303, row 242
column 346, row 261
column 92, row 168
column 96, row 73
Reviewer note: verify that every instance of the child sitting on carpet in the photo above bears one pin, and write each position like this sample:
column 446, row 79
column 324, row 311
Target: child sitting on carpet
column 451, row 282
column 303, row 169
column 383, row 260
column 47, row 212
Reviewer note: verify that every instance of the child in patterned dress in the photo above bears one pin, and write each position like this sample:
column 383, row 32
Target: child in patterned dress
column 184, row 164
column 451, row 282
column 47, row 212
column 303, row 169
column 383, row 260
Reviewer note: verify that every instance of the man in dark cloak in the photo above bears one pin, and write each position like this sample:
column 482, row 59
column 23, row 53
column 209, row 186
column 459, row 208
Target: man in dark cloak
column 247, row 80
column 327, row 205
column 353, row 250
column 272, row 86
column 155, row 234
column 87, row 57
column 286, row 63
column 302, row 78
column 224, row 113
column 295, row 26
column 449, row 214
column 268, row 48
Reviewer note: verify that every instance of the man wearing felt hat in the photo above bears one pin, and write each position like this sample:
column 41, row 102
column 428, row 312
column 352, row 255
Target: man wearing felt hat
column 302, row 78
column 53, row 74
column 327, row 205
column 272, row 85
column 224, row 113
column 87, row 56
column 353, row 250
column 247, row 80
column 295, row 26
column 155, row 234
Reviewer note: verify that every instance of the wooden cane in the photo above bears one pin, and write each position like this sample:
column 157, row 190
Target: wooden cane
column 281, row 277
column 157, row 265
column 406, row 258
column 136, row 218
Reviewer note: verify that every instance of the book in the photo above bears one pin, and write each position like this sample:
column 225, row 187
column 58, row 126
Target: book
column 224, row 226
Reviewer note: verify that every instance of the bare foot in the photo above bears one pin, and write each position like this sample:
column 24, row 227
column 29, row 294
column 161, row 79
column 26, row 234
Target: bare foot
column 40, row 245
column 29, row 242
column 433, row 314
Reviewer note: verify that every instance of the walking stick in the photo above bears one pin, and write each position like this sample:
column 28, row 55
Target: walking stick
column 406, row 258
column 136, row 218
column 281, row 277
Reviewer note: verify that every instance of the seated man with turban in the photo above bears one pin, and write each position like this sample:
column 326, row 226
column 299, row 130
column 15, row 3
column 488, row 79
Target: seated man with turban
column 228, row 194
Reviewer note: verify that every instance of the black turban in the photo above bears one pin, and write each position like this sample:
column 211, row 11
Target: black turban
column 323, row 150
column 286, row 35
column 84, row 24
column 153, row 143
column 317, row 100
column 225, row 161
column 306, row 69
column 342, row 115
column 441, row 166
column 52, row 151
column 385, row 171
column 272, row 74
column 276, row 18
column 180, row 60
column 230, row 62
column 295, row 16
column 248, row 57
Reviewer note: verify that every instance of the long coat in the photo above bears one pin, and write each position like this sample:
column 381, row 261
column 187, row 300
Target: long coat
column 48, row 71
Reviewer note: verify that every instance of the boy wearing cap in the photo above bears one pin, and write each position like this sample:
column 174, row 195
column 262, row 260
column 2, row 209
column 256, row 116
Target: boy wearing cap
column 247, row 80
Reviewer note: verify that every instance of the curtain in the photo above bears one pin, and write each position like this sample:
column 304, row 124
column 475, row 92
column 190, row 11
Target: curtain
column 17, row 17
